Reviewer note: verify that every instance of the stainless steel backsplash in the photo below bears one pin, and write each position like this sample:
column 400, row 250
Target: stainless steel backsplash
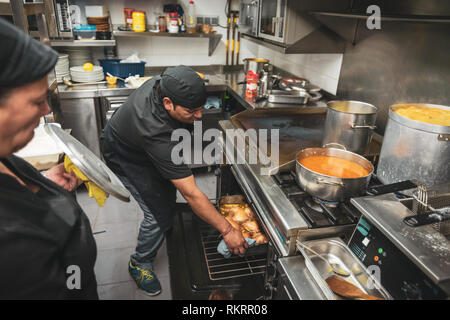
column 402, row 62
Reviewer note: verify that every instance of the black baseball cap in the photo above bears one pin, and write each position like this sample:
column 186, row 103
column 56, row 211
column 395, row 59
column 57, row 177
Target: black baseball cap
column 183, row 86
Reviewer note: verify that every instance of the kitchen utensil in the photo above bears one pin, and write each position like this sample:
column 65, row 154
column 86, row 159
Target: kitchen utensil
column 337, row 268
column 432, row 198
column 347, row 289
column 109, row 74
column 70, row 84
column 414, row 150
column 89, row 164
column 330, row 188
column 437, row 216
column 293, row 97
column 350, row 123
column 293, row 83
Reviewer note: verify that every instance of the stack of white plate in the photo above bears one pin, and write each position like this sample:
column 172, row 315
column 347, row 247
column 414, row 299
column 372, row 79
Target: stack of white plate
column 78, row 55
column 62, row 67
column 78, row 74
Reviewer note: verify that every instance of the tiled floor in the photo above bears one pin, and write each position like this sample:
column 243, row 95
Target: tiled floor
column 120, row 222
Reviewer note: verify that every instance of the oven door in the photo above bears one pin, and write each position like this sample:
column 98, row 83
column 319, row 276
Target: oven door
column 197, row 270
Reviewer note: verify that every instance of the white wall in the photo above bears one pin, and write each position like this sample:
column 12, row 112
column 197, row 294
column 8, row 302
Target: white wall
column 321, row 69
column 165, row 51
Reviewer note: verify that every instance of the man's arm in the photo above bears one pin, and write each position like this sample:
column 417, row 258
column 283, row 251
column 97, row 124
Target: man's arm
column 206, row 211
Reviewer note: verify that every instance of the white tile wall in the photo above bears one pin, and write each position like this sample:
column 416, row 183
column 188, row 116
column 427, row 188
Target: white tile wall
column 321, row 69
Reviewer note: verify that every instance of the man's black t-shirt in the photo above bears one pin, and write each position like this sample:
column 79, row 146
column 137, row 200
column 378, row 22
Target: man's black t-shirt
column 136, row 143
column 143, row 124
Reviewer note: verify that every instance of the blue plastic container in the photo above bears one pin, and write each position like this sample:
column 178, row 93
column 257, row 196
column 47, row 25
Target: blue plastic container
column 122, row 70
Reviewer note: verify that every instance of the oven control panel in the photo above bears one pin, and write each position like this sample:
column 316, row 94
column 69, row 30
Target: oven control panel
column 391, row 267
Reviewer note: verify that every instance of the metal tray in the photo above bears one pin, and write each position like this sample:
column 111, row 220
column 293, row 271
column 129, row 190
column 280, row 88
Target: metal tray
column 336, row 251
column 281, row 96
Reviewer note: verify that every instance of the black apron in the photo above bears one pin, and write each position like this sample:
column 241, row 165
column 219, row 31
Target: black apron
column 158, row 193
column 43, row 237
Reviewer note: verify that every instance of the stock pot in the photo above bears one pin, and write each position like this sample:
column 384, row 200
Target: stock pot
column 331, row 188
column 350, row 123
column 414, row 150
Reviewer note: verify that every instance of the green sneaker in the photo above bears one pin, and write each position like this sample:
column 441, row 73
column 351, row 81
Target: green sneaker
column 146, row 280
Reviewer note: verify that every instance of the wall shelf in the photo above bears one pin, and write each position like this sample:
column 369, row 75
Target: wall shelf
column 213, row 38
column 83, row 43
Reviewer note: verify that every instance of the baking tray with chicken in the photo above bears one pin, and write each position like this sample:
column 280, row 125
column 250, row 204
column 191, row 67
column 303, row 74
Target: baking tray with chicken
column 240, row 215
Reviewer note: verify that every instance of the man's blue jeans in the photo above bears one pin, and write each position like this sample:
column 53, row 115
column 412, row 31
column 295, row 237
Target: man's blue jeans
column 150, row 236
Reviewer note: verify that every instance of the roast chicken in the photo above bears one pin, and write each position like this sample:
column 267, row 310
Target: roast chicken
column 242, row 218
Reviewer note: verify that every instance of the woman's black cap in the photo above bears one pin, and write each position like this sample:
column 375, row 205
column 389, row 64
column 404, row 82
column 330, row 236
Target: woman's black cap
column 22, row 59
column 183, row 86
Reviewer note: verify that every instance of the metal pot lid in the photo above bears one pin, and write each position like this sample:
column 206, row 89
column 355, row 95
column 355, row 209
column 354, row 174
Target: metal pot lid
column 88, row 163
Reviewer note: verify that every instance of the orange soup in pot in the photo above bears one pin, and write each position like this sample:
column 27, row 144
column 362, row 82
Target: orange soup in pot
column 334, row 167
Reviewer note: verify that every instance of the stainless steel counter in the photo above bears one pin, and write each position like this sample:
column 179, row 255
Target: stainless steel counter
column 217, row 81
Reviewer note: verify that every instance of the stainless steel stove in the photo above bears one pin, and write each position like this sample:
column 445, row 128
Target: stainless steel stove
column 316, row 212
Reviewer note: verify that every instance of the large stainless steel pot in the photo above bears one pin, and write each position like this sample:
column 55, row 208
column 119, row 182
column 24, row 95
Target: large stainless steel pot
column 255, row 64
column 350, row 123
column 414, row 150
column 332, row 188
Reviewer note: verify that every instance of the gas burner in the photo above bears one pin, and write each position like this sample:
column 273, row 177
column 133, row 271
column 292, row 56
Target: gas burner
column 313, row 205
column 329, row 204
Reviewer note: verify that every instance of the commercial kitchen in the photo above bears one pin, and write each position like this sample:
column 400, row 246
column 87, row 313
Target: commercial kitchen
column 365, row 83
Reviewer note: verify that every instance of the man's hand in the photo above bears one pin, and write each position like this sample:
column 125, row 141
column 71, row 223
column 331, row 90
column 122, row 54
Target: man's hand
column 58, row 175
column 235, row 242
column 206, row 211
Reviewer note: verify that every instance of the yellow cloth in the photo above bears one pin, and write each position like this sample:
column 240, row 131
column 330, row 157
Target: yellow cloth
column 94, row 191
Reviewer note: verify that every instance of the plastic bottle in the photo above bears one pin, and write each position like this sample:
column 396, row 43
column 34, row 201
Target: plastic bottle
column 174, row 24
column 191, row 19
column 251, row 90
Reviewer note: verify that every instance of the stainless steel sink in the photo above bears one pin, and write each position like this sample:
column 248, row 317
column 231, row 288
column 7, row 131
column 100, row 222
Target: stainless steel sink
column 336, row 251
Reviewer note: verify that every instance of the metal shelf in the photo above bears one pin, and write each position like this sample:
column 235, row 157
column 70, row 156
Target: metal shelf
column 214, row 39
column 83, row 43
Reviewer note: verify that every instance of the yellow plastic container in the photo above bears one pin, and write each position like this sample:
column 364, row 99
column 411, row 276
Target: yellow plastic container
column 138, row 21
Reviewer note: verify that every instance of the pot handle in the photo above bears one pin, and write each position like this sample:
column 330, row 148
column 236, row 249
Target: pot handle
column 354, row 126
column 334, row 144
column 314, row 96
column 334, row 183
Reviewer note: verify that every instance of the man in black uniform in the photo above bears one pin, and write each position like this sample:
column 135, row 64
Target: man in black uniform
column 136, row 144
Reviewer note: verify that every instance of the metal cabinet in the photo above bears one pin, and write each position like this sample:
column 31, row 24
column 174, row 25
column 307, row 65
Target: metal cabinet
column 109, row 106
column 248, row 17
column 272, row 19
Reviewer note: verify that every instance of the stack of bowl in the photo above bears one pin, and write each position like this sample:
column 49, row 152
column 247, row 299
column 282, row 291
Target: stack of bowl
column 78, row 55
column 103, row 27
column 80, row 75
column 62, row 67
